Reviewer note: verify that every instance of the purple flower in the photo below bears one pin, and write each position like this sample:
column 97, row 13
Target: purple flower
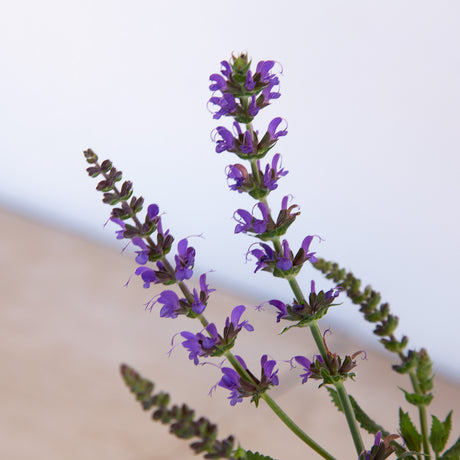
column 197, row 306
column 249, row 84
column 284, row 257
column 227, row 142
column 171, row 306
column 253, row 109
column 272, row 173
column 234, row 320
column 248, row 223
column 240, row 387
column 282, row 308
column 226, row 69
column 119, row 233
column 226, row 103
column 265, row 257
column 306, row 247
column 247, row 145
column 268, row 94
column 263, row 69
column 185, row 259
column 231, row 381
column 305, row 363
column 268, row 377
column 152, row 211
column 220, row 84
column 272, row 129
column 148, row 276
column 199, row 344
column 142, row 255
column 239, row 174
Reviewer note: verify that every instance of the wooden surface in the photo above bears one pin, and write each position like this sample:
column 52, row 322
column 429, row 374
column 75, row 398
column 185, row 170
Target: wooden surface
column 67, row 322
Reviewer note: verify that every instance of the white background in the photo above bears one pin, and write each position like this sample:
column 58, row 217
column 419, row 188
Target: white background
column 370, row 91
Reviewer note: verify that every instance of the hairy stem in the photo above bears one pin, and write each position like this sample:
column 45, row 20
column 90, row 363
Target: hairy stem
column 422, row 415
column 341, row 391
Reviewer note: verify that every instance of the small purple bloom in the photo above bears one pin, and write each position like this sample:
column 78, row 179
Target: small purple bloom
column 226, row 103
column 119, row 222
column 282, row 308
column 268, row 376
column 197, row 306
column 249, row 84
column 235, row 319
column 185, row 259
column 306, row 247
column 170, row 302
column 220, row 84
column 239, row 174
column 333, row 293
column 142, row 255
column 227, row 142
column 263, row 69
column 147, row 275
column 248, row 223
column 253, row 109
column 247, row 145
column 284, row 257
column 265, row 256
column 272, row 127
column 272, row 173
column 226, row 69
column 268, row 94
column 231, row 381
column 152, row 211
column 199, row 344
column 305, row 363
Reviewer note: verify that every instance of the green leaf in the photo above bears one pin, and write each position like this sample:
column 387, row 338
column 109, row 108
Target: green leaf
column 453, row 453
column 410, row 434
column 440, row 432
column 417, row 400
column 363, row 419
column 257, row 456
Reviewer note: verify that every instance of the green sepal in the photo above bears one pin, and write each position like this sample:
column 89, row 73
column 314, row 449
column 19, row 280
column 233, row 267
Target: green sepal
column 394, row 345
column 416, row 399
column 387, row 327
column 305, row 322
column 258, row 193
column 244, row 118
column 453, row 453
column 411, row 436
column 409, row 364
column 254, row 156
column 440, row 433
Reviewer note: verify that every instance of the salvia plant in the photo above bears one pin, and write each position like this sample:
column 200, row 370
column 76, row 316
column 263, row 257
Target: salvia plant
column 239, row 93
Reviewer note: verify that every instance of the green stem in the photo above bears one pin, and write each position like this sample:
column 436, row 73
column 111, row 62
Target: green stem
column 422, row 415
column 295, row 428
column 341, row 391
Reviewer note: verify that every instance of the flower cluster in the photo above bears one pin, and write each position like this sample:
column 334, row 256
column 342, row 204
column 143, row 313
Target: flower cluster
column 152, row 245
column 213, row 344
column 241, row 387
column 243, row 93
column 330, row 369
column 305, row 312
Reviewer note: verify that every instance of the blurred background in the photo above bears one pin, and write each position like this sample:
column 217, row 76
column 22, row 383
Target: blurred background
column 371, row 94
